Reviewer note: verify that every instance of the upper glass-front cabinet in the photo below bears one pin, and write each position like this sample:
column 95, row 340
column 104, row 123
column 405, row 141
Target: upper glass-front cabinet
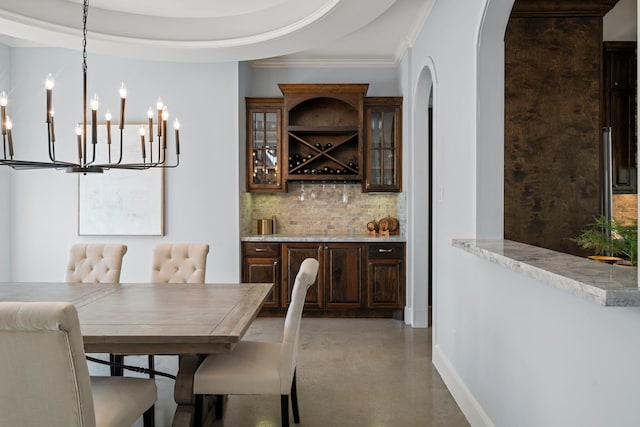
column 383, row 144
column 264, row 118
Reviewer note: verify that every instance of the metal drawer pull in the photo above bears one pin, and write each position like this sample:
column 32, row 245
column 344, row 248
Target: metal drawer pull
column 384, row 251
column 261, row 250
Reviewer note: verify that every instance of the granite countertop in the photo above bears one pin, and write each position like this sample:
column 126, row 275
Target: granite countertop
column 323, row 238
column 605, row 284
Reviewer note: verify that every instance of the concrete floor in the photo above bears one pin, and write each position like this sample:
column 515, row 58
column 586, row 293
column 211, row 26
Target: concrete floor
column 351, row 373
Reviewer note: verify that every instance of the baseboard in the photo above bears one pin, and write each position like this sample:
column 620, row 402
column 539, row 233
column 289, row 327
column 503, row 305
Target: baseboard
column 468, row 404
column 416, row 318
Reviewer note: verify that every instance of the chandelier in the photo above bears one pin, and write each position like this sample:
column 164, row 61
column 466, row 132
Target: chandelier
column 87, row 162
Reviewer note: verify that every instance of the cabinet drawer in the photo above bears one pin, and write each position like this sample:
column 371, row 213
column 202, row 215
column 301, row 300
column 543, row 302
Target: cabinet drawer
column 385, row 250
column 261, row 249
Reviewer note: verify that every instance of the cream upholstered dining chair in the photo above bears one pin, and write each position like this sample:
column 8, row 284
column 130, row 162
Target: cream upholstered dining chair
column 45, row 379
column 95, row 263
column 179, row 263
column 260, row 367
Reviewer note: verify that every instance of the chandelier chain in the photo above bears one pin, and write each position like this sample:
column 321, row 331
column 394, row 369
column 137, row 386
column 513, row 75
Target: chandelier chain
column 85, row 12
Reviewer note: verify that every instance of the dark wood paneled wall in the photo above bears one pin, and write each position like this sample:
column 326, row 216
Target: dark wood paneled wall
column 553, row 120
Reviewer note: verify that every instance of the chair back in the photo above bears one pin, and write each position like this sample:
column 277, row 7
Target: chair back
column 95, row 263
column 179, row 263
column 289, row 352
column 45, row 379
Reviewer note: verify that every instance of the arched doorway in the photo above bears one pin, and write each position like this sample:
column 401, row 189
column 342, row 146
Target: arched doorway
column 422, row 200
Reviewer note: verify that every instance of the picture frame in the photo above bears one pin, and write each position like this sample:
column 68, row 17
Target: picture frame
column 121, row 202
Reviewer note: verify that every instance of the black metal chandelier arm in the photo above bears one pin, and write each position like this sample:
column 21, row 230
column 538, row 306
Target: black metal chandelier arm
column 26, row 164
column 51, row 143
column 140, row 166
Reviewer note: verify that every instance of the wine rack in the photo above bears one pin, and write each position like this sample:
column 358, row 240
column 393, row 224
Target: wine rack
column 323, row 129
column 324, row 132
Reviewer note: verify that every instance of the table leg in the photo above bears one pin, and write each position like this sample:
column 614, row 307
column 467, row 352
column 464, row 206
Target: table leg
column 183, row 391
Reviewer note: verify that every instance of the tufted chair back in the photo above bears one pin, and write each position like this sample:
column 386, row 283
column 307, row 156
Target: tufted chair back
column 45, row 379
column 95, row 263
column 179, row 263
column 42, row 360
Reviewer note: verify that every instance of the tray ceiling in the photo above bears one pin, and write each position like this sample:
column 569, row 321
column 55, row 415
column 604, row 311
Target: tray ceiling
column 224, row 30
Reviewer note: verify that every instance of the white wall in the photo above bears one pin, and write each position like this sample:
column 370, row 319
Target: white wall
column 201, row 195
column 5, row 181
column 513, row 351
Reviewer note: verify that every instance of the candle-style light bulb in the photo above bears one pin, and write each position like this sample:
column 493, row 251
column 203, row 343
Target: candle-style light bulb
column 107, row 117
column 176, row 126
column 123, row 91
column 123, row 98
column 9, row 126
column 94, row 102
column 159, row 107
column 79, row 135
column 150, row 116
column 48, row 82
column 48, row 85
column 3, row 111
column 94, row 119
column 165, row 119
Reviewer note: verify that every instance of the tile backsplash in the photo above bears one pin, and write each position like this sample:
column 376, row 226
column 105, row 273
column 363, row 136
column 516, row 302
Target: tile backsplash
column 321, row 209
column 625, row 207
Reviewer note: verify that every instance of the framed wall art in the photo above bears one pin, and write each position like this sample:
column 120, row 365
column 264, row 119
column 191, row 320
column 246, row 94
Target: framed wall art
column 121, row 202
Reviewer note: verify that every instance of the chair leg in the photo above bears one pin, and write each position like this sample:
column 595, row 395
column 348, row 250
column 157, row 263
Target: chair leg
column 219, row 402
column 151, row 366
column 149, row 418
column 198, row 410
column 294, row 400
column 284, row 409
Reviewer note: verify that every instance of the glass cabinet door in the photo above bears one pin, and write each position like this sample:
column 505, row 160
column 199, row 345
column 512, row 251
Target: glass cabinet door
column 265, row 149
column 383, row 146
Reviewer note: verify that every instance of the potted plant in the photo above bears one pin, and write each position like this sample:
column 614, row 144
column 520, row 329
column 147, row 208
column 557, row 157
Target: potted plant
column 611, row 238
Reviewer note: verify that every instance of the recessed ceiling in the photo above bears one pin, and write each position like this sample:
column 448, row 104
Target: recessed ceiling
column 222, row 30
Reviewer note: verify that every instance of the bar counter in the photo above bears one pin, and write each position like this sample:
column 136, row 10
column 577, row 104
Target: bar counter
column 604, row 284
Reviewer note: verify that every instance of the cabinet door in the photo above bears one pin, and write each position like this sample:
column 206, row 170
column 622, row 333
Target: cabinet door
column 264, row 145
column 383, row 144
column 261, row 264
column 386, row 283
column 385, row 275
column 292, row 256
column 343, row 275
column 264, row 270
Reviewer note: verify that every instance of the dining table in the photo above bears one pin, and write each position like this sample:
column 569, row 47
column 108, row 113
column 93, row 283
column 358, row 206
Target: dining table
column 188, row 320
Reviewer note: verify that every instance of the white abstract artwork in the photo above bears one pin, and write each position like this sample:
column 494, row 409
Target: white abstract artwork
column 121, row 202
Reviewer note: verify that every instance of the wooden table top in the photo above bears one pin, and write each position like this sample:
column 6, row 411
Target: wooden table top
column 141, row 318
